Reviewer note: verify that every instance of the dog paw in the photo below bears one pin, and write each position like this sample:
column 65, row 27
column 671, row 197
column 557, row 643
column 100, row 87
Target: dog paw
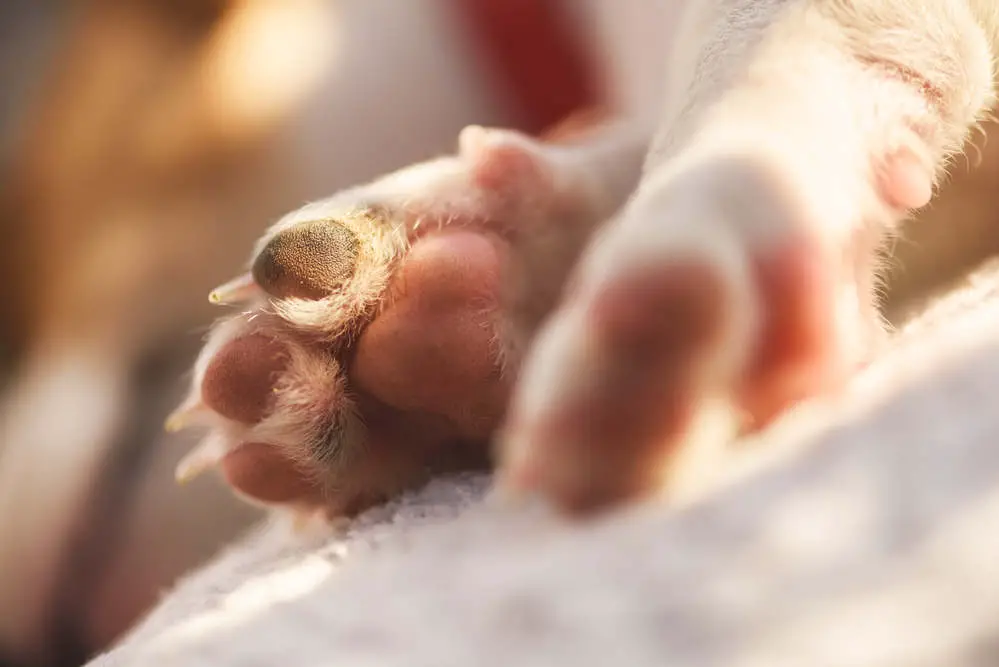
column 373, row 344
column 708, row 307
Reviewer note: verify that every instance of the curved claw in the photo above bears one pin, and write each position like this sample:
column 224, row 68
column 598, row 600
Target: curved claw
column 238, row 290
column 205, row 455
column 186, row 415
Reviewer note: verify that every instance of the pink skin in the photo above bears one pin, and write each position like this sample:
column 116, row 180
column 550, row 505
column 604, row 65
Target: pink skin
column 653, row 328
column 906, row 181
column 651, row 331
column 431, row 350
column 609, row 436
column 424, row 372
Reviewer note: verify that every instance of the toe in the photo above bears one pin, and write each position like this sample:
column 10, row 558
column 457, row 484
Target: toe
column 799, row 353
column 263, row 473
column 240, row 379
column 904, row 177
column 309, row 260
column 615, row 384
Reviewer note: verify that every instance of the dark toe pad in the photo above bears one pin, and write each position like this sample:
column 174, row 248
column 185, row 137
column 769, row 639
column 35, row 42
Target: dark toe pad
column 308, row 261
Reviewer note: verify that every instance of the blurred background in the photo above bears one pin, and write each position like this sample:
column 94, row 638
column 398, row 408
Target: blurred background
column 144, row 145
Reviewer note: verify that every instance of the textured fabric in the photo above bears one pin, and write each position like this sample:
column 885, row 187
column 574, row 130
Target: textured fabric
column 862, row 531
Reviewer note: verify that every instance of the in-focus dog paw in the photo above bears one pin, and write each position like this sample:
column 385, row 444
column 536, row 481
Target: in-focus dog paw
column 378, row 334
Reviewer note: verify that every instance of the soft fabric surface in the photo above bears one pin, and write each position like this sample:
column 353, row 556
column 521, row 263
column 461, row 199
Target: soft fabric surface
column 863, row 531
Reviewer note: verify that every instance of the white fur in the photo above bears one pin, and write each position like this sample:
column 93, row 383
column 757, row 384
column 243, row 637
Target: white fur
column 775, row 115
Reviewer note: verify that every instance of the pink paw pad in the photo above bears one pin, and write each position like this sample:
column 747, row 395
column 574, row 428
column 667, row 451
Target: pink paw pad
column 269, row 399
column 904, row 180
column 261, row 472
column 506, row 164
column 648, row 335
column 240, row 379
column 798, row 354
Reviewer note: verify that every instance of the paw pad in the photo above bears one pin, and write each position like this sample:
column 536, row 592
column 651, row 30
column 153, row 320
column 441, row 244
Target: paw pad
column 310, row 260
column 240, row 379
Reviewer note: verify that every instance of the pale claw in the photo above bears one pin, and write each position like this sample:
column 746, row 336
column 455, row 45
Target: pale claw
column 188, row 414
column 238, row 290
column 205, row 455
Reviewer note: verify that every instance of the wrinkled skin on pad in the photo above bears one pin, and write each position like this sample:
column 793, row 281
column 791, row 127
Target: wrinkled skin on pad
column 308, row 261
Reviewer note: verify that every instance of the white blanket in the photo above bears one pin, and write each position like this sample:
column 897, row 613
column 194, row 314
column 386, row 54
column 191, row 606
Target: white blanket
column 864, row 532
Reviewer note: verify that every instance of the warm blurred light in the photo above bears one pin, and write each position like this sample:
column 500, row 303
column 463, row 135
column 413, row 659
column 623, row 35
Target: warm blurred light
column 265, row 59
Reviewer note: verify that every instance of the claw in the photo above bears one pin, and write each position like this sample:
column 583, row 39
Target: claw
column 185, row 415
column 206, row 455
column 238, row 290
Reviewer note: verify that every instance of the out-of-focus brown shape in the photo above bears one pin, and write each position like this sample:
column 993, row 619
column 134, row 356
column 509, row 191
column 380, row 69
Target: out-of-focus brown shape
column 120, row 206
column 122, row 136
